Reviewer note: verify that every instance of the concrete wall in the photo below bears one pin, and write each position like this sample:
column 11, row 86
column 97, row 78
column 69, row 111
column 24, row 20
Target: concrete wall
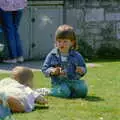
column 38, row 26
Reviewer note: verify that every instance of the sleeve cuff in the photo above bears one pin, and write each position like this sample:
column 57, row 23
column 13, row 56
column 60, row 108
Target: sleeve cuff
column 48, row 71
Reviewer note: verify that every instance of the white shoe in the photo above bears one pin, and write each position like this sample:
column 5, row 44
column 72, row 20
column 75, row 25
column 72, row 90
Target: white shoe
column 20, row 59
column 13, row 61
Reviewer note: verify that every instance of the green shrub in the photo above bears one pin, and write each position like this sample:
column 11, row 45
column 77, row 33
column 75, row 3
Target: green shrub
column 85, row 49
column 108, row 51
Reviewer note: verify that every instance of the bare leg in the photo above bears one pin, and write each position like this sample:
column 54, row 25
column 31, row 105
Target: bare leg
column 15, row 105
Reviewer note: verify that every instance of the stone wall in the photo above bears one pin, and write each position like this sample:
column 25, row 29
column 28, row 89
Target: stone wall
column 96, row 22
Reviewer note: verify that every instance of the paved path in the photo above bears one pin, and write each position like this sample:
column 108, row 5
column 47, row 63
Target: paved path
column 34, row 65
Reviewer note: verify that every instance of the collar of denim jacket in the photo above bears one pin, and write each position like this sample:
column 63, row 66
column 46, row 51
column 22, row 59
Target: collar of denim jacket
column 56, row 52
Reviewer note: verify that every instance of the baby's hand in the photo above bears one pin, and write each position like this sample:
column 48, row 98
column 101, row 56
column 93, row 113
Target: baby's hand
column 41, row 100
column 56, row 71
column 79, row 70
column 63, row 73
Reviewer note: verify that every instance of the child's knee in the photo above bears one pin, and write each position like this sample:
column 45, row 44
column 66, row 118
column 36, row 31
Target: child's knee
column 61, row 91
column 65, row 92
column 82, row 92
column 80, row 89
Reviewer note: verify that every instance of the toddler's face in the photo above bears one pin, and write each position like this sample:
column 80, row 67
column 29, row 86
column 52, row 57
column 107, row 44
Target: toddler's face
column 63, row 45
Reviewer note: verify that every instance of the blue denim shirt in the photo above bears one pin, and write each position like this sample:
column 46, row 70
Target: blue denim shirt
column 74, row 59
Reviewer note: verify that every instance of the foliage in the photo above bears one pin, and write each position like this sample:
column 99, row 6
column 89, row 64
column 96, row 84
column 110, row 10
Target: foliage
column 85, row 49
column 108, row 51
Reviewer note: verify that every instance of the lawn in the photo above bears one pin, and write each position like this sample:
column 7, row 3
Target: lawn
column 102, row 102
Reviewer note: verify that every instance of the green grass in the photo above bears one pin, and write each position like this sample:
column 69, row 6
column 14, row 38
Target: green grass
column 102, row 102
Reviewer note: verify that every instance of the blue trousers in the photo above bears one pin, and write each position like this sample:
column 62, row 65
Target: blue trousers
column 11, row 21
column 70, row 89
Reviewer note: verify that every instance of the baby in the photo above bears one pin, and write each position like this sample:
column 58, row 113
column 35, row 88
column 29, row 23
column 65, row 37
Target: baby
column 18, row 90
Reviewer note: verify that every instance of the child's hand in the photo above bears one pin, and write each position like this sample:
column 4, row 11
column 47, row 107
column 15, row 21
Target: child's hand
column 79, row 70
column 41, row 100
column 63, row 73
column 55, row 71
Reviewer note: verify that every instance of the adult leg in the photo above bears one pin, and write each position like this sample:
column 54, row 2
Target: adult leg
column 17, row 15
column 79, row 89
column 9, row 30
column 61, row 90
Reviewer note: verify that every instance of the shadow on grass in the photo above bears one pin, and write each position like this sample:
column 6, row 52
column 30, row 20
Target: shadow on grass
column 94, row 98
column 98, row 60
column 87, row 98
column 37, row 106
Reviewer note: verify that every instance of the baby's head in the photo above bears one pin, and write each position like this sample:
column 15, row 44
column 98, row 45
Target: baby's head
column 23, row 75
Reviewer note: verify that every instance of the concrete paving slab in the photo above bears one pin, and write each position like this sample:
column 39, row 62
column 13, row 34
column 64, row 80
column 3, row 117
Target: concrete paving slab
column 34, row 65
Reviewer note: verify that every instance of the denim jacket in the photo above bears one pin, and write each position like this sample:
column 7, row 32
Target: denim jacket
column 74, row 59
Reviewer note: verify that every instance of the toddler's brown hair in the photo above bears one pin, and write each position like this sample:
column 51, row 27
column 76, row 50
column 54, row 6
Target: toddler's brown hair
column 66, row 32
